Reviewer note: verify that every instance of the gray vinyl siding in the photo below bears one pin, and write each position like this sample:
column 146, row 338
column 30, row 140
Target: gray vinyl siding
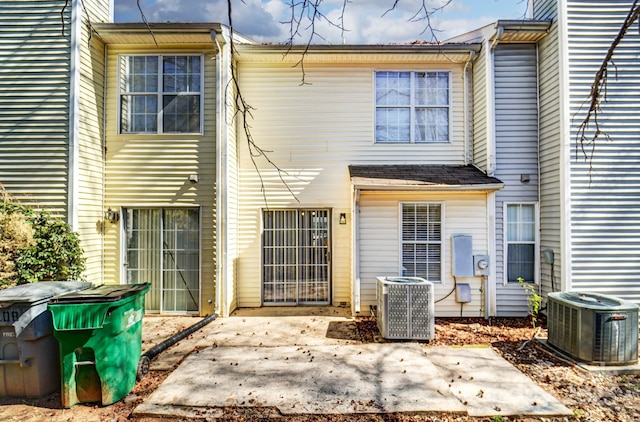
column 605, row 187
column 516, row 129
column 34, row 102
column 550, row 156
column 479, row 138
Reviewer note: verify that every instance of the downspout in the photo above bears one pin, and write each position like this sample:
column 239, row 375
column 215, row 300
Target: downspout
column 491, row 168
column 74, row 114
column 355, row 218
column 538, row 168
column 221, row 181
column 104, row 157
column 467, row 126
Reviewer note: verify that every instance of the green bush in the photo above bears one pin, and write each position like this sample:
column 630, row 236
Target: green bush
column 54, row 253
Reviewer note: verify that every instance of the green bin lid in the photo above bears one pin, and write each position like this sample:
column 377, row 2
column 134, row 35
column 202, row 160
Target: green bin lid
column 104, row 293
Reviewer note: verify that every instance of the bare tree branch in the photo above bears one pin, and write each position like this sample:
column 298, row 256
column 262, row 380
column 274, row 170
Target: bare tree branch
column 585, row 140
column 424, row 13
column 144, row 19
column 244, row 110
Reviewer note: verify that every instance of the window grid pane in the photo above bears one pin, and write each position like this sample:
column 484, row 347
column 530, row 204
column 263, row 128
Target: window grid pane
column 412, row 107
column 520, row 238
column 141, row 102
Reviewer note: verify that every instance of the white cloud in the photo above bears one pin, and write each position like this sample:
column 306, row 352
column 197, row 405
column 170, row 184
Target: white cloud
column 263, row 20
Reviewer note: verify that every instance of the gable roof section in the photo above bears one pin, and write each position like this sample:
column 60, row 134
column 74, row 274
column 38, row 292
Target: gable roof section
column 513, row 31
column 433, row 177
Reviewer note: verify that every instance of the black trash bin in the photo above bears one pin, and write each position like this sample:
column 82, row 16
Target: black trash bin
column 29, row 362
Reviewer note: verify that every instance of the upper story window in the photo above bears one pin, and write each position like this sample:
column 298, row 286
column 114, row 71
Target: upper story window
column 161, row 94
column 412, row 107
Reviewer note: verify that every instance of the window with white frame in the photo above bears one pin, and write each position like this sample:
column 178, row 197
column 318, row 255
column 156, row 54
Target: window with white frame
column 412, row 107
column 160, row 94
column 422, row 240
column 521, row 242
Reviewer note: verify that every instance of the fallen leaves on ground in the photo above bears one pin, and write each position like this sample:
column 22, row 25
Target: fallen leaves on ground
column 592, row 396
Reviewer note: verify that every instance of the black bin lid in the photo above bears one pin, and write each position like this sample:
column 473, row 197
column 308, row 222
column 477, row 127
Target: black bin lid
column 33, row 293
column 104, row 293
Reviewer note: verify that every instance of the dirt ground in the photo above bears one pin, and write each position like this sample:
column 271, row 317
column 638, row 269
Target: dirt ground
column 591, row 396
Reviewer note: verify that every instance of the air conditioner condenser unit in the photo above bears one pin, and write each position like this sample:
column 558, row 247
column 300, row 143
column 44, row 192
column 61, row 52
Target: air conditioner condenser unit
column 405, row 308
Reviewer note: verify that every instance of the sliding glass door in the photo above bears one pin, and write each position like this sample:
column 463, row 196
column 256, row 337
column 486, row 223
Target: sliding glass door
column 163, row 248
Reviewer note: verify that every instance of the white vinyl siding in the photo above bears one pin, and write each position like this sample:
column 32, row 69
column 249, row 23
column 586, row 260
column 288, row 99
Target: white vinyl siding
column 380, row 248
column 552, row 153
column 516, row 137
column 154, row 171
column 314, row 132
column 34, row 103
column 605, row 187
column 39, row 163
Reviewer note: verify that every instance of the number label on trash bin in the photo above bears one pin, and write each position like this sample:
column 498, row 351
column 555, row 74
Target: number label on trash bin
column 11, row 315
column 132, row 317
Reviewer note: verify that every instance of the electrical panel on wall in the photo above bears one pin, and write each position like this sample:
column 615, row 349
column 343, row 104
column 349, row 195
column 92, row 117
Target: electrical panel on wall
column 462, row 256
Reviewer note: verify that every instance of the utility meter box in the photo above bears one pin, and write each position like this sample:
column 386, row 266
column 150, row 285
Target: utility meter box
column 481, row 265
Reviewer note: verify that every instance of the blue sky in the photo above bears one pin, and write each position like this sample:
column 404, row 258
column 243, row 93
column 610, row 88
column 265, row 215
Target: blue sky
column 261, row 19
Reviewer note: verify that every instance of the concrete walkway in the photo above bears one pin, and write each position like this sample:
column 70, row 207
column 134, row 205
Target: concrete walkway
column 310, row 365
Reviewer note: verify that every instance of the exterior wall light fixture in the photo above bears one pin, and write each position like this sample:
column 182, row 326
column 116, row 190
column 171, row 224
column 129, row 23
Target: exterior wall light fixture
column 343, row 218
column 112, row 216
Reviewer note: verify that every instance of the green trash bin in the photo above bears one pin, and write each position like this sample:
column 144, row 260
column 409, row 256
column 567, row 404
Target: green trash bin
column 100, row 335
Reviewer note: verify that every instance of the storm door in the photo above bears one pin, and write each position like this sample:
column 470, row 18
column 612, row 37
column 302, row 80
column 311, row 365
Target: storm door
column 163, row 248
column 296, row 257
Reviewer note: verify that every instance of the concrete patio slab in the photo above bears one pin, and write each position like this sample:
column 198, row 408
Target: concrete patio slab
column 309, row 365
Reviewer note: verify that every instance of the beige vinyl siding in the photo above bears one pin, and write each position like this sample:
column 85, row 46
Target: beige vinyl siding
column 550, row 144
column 480, row 110
column 463, row 213
column 34, row 103
column 605, row 188
column 152, row 170
column 90, row 137
column 314, row 132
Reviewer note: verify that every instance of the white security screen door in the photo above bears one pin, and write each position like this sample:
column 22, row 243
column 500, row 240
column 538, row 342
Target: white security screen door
column 163, row 248
column 296, row 257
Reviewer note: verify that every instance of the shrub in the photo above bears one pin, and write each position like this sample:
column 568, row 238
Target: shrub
column 37, row 246
column 534, row 300
column 16, row 234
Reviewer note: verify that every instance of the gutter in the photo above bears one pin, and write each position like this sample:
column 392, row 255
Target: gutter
column 489, row 187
